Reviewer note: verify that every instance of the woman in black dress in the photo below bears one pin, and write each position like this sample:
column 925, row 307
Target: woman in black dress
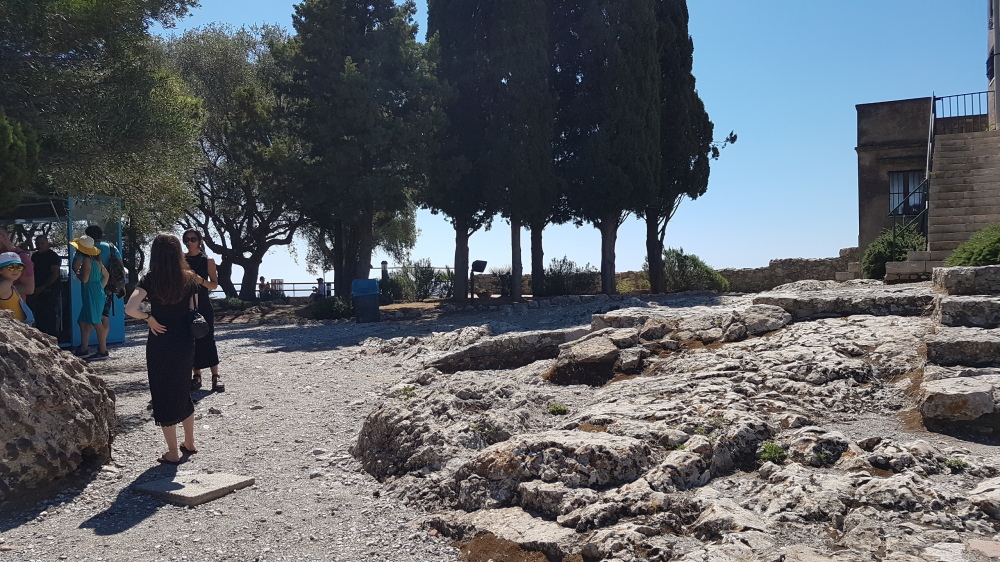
column 206, row 354
column 170, row 287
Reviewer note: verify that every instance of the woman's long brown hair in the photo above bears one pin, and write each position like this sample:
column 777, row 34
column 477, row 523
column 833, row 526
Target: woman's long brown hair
column 170, row 280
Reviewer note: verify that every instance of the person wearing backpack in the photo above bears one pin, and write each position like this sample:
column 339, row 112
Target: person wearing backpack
column 109, row 253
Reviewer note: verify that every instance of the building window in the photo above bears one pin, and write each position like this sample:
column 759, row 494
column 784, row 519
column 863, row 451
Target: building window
column 906, row 197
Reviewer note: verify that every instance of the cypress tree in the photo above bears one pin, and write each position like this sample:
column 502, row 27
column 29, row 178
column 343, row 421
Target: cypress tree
column 608, row 132
column 685, row 132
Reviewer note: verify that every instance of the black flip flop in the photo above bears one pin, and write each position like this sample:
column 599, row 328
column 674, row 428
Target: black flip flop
column 163, row 460
column 186, row 450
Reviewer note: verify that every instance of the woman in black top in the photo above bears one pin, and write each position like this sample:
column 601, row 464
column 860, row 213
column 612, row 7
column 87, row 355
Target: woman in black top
column 170, row 287
column 206, row 354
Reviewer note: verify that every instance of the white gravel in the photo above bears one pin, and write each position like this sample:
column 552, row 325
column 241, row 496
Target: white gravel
column 296, row 397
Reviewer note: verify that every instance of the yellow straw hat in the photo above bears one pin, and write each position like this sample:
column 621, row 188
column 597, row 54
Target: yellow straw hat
column 85, row 244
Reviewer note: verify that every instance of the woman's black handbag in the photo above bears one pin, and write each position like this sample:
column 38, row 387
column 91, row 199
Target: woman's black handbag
column 199, row 326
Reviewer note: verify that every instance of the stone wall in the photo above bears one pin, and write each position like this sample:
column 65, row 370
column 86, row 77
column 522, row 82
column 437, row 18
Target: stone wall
column 788, row 270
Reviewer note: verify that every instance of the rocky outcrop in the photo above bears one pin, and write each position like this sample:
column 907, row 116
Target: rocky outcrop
column 55, row 414
column 760, row 428
column 506, row 351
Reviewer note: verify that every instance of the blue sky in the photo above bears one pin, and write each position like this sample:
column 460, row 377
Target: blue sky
column 785, row 75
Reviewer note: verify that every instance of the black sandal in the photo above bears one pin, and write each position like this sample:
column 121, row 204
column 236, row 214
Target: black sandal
column 196, row 381
column 216, row 385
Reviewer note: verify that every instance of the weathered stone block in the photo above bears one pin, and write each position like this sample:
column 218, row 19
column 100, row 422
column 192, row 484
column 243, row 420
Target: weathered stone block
column 195, row 489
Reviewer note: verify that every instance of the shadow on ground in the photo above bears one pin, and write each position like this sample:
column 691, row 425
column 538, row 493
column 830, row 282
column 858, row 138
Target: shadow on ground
column 131, row 507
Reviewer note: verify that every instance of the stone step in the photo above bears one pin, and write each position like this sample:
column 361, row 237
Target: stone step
column 942, row 246
column 912, row 266
column 978, row 183
column 969, row 347
column 949, row 236
column 955, row 215
column 979, row 311
column 970, row 227
column 981, row 280
column 958, row 137
column 889, row 301
column 845, row 275
column 918, row 256
column 854, row 267
column 939, row 175
column 940, row 255
column 984, row 198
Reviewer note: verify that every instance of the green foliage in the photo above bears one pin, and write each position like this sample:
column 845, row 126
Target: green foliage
column 109, row 120
column 330, row 308
column 361, row 106
column 565, row 277
column 18, row 160
column 628, row 283
column 445, row 281
column 424, row 278
column 231, row 303
column 884, row 249
column 983, row 248
column 401, row 287
column 769, row 451
column 686, row 272
column 406, row 393
column 557, row 409
column 956, row 466
column 504, row 279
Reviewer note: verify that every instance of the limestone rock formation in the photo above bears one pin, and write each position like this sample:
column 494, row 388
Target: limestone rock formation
column 55, row 414
column 765, row 427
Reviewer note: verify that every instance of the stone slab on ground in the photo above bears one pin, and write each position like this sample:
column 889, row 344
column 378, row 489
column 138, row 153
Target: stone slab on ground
column 195, row 489
column 969, row 347
column 848, row 300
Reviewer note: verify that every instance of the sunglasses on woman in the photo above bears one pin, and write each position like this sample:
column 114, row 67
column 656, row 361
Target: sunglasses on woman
column 189, row 239
column 13, row 267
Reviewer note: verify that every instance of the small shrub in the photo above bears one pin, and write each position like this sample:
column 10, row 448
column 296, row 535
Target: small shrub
column 565, row 277
column 445, row 283
column 230, row 303
column 983, row 248
column 956, row 466
column 424, row 277
column 882, row 250
column 558, row 410
column 505, row 279
column 330, row 308
column 686, row 272
column 401, row 286
column 632, row 283
column 406, row 393
column 770, row 451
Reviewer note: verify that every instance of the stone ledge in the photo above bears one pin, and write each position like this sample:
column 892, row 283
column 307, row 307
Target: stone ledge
column 195, row 489
column 983, row 280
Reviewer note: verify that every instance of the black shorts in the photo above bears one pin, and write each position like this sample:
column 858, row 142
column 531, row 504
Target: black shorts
column 107, row 304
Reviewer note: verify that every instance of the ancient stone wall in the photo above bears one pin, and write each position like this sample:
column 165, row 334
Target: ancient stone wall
column 788, row 270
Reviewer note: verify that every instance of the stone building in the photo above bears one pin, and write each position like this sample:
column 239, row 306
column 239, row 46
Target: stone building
column 933, row 162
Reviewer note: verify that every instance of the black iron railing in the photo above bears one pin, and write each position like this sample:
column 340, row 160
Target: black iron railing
column 964, row 113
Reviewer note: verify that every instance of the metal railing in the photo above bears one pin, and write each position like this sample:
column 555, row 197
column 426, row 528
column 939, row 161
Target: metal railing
column 289, row 289
column 964, row 113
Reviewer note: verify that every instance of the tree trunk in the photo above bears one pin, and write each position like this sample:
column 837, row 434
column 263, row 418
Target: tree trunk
column 516, row 267
column 461, row 261
column 609, row 235
column 225, row 271
column 341, row 275
column 248, row 286
column 654, row 253
column 537, row 259
column 364, row 233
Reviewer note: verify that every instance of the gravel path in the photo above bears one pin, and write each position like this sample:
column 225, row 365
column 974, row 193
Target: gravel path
column 296, row 397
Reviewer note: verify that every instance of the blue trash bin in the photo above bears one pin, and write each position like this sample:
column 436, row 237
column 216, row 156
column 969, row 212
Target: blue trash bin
column 365, row 295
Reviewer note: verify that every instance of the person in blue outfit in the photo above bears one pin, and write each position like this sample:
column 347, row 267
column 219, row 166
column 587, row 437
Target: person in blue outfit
column 107, row 252
column 93, row 276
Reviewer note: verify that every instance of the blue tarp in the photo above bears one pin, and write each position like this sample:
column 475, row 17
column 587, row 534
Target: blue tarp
column 363, row 287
